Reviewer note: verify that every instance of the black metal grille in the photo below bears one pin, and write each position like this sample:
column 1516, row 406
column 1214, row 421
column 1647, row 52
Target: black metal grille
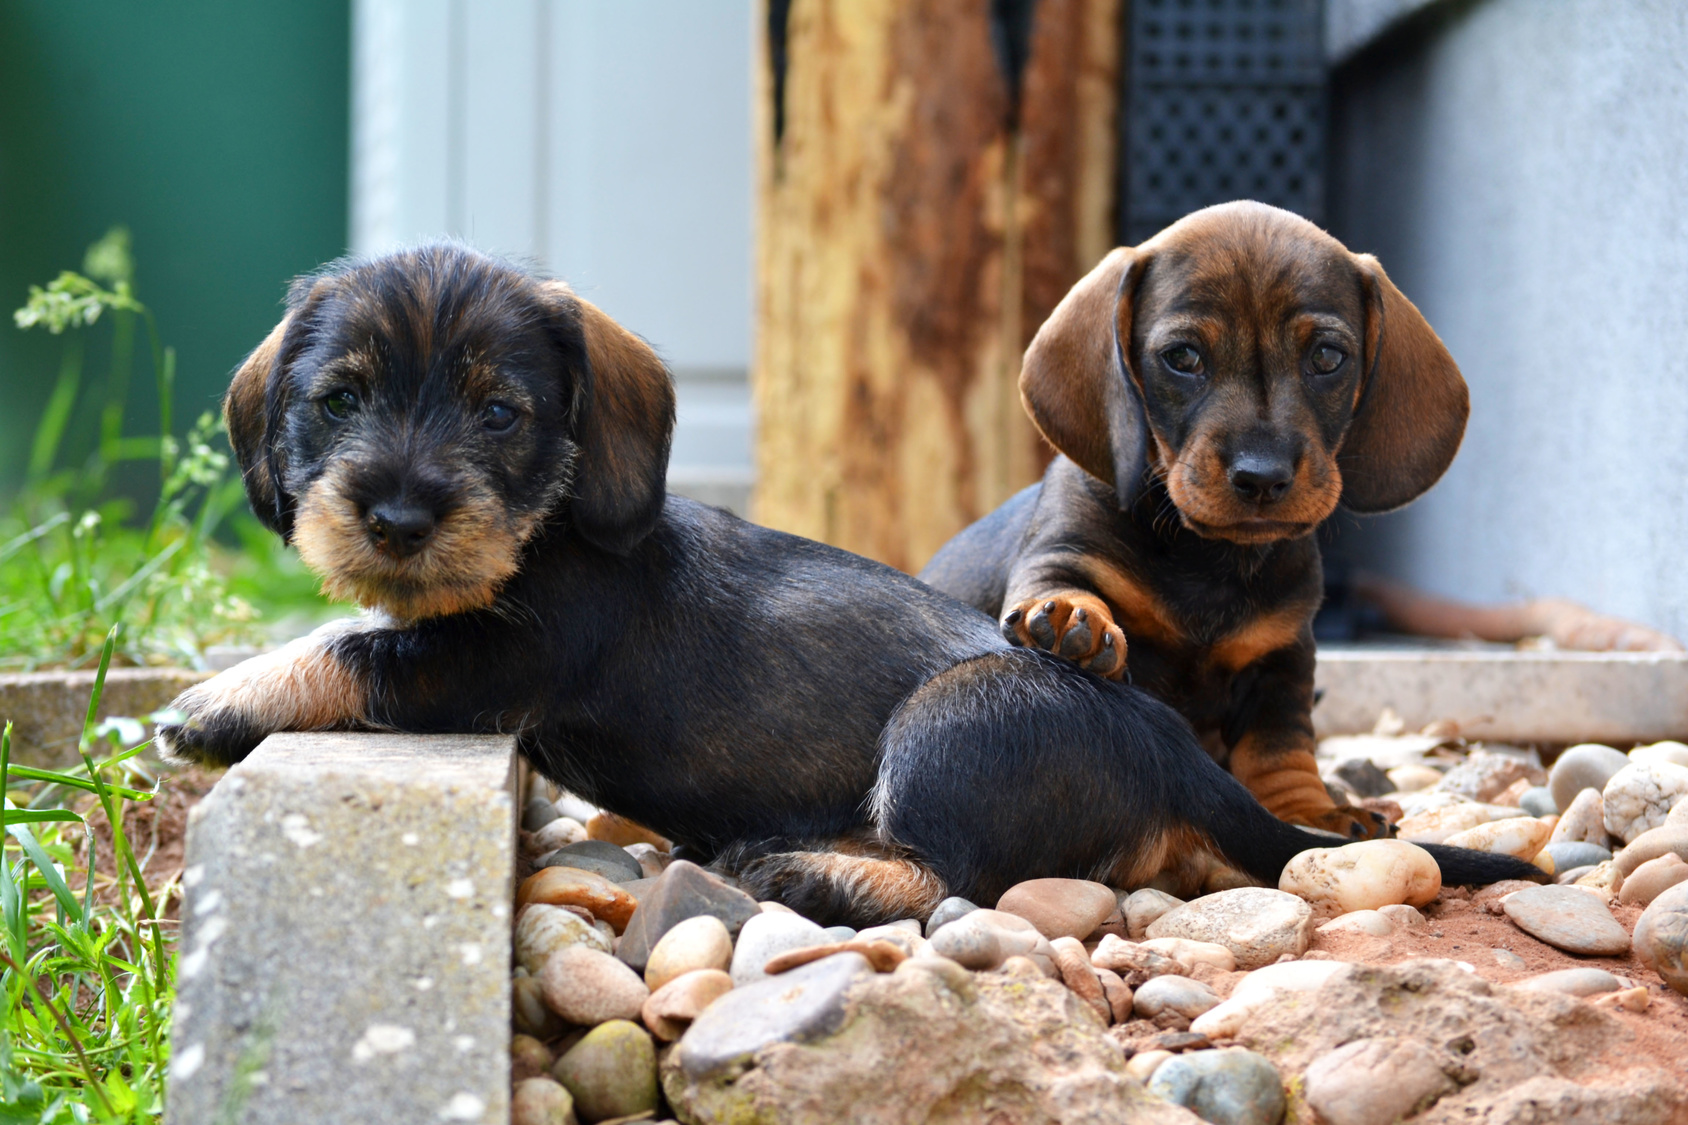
column 1224, row 99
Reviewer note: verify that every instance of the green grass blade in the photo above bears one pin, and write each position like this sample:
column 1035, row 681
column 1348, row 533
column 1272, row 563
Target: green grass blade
column 13, row 546
column 37, row 816
column 71, row 781
column 44, row 864
column 49, row 432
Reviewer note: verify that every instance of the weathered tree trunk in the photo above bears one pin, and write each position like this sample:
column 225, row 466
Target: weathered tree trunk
column 915, row 228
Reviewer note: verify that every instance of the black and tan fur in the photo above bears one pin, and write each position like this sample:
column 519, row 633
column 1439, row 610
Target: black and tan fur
column 1179, row 517
column 845, row 738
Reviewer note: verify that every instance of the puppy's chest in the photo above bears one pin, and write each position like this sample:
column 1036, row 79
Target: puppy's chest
column 1208, row 632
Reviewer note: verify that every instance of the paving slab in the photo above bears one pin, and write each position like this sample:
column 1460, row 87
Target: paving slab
column 1504, row 695
column 48, row 707
column 345, row 951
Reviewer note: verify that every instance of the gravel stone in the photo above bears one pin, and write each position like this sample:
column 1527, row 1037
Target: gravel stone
column 1639, row 797
column 1572, row 982
column 1652, row 879
column 1368, row 922
column 795, row 1007
column 1573, row 853
column 1363, row 876
column 611, row 1072
column 529, row 1057
column 839, row 933
column 1588, row 766
column 984, row 939
column 683, row 891
column 559, row 833
column 652, row 862
column 1060, row 907
column 1568, row 919
column 572, row 886
column 671, row 1009
column 1483, row 776
column 1232, row 1086
column 537, row 813
column 1188, row 998
column 1374, row 1082
column 1538, row 801
column 543, row 929
column 1666, row 839
column 541, row 1101
column 1661, row 937
column 598, row 856
column 764, row 937
column 1192, row 953
column 1519, row 836
column 1256, row 924
column 948, row 911
column 1675, row 753
column 1363, row 777
column 587, row 987
column 696, row 943
column 1143, row 907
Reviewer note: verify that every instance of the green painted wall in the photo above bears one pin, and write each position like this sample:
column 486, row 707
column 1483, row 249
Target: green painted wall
column 216, row 131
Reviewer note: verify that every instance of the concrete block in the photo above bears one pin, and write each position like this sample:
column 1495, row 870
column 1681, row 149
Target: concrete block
column 345, row 951
column 1504, row 695
column 48, row 707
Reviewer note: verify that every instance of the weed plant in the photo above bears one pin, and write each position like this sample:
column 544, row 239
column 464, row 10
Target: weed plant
column 73, row 560
column 86, row 971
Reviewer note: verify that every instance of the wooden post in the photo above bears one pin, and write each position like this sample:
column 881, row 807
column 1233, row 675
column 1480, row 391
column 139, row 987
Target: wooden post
column 915, row 228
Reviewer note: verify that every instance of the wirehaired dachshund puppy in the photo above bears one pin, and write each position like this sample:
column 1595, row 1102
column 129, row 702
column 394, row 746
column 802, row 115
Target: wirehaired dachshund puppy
column 478, row 457
column 1214, row 394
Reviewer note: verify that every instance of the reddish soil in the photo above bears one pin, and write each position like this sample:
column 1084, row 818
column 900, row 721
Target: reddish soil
column 156, row 831
column 1461, row 929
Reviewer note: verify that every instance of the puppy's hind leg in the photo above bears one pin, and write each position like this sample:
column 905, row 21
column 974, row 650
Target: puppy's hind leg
column 854, row 886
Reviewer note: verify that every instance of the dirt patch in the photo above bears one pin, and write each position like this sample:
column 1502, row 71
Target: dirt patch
column 1462, row 930
column 157, row 833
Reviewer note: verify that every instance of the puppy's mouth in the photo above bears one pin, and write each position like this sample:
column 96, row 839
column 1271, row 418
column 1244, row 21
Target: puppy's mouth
column 473, row 548
column 1253, row 530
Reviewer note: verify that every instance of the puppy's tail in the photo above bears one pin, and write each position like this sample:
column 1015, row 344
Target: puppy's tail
column 837, row 882
column 1259, row 843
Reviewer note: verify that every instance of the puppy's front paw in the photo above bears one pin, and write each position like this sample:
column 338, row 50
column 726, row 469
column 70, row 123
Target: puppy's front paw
column 1075, row 626
column 301, row 686
column 206, row 733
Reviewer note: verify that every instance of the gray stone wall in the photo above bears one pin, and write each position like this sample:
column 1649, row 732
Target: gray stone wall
column 1520, row 168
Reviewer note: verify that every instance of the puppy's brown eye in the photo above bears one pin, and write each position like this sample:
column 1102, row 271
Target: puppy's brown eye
column 498, row 417
column 340, row 405
column 1183, row 359
column 1325, row 359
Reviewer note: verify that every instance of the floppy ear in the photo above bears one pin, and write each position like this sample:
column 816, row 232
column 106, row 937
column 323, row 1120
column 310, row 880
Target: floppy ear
column 1411, row 411
column 623, row 428
column 1076, row 380
column 246, row 412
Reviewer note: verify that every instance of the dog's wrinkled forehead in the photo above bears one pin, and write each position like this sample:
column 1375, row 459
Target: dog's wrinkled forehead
column 433, row 322
column 1263, row 267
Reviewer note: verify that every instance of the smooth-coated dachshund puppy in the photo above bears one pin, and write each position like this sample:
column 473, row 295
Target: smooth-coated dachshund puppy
column 478, row 457
column 1214, row 394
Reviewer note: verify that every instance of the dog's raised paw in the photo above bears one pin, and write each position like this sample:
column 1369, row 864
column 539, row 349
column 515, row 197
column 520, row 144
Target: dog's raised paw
column 1074, row 626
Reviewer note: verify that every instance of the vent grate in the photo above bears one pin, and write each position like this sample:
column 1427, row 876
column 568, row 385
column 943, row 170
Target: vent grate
column 1225, row 99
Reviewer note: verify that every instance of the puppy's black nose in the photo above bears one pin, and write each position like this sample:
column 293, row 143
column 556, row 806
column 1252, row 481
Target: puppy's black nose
column 400, row 529
column 1260, row 478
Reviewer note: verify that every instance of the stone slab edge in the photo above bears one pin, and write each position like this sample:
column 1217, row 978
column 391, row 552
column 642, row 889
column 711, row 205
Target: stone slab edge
column 47, row 708
column 1507, row 696
column 345, row 949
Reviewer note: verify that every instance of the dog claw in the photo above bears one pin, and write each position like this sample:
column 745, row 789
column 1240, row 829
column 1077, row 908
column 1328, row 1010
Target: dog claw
column 1009, row 632
column 1107, row 658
